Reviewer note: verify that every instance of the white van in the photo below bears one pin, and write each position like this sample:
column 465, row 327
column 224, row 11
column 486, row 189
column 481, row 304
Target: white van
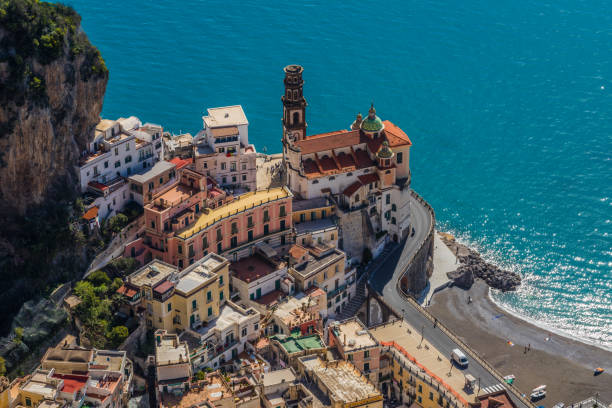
column 459, row 358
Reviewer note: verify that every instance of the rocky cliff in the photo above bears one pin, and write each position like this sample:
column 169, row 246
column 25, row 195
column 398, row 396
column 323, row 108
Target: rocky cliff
column 52, row 83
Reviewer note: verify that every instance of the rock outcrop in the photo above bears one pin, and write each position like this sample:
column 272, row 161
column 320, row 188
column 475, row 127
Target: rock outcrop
column 52, row 84
column 473, row 266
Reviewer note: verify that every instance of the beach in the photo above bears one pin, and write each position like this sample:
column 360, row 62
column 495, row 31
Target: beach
column 563, row 364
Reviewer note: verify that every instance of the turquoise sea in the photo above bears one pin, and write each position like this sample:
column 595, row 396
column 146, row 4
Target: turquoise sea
column 508, row 105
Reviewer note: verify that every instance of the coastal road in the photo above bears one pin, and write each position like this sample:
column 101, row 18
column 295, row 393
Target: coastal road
column 384, row 277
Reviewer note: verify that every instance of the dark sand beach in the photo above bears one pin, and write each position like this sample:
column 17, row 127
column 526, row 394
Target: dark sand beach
column 563, row 364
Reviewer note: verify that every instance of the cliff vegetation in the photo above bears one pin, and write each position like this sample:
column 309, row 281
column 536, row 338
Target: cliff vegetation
column 52, row 84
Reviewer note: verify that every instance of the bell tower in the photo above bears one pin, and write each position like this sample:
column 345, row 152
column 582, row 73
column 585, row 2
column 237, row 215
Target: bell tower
column 294, row 105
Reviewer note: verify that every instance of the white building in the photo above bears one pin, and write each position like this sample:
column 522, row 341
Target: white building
column 118, row 149
column 222, row 339
column 222, row 149
column 172, row 366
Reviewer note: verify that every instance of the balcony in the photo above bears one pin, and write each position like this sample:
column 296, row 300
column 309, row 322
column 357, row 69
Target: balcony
column 144, row 157
column 336, row 291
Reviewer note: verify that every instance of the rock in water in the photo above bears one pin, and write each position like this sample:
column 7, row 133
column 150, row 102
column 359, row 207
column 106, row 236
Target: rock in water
column 462, row 277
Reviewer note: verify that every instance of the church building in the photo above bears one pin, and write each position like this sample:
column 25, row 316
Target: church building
column 364, row 170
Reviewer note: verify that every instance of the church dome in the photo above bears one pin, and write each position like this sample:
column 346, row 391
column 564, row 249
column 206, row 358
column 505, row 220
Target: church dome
column 372, row 123
column 385, row 151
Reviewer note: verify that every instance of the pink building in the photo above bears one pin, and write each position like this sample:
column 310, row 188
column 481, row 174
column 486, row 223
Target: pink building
column 192, row 217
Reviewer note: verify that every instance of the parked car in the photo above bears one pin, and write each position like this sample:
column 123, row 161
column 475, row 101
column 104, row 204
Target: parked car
column 459, row 358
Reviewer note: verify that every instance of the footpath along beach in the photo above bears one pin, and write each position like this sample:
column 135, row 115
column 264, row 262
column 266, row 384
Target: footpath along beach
column 514, row 346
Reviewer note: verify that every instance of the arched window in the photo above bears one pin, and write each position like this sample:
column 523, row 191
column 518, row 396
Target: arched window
column 295, row 95
column 288, row 94
column 393, row 207
column 296, row 117
column 393, row 220
column 357, row 198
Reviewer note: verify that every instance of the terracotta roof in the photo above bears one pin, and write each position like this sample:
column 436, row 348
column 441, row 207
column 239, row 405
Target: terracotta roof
column 297, row 251
column 310, row 167
column 91, row 213
column 368, row 178
column 128, row 292
column 363, row 159
column 270, row 298
column 328, row 164
column 395, row 135
column 97, row 185
column 164, row 287
column 345, row 160
column 352, row 189
column 496, row 399
column 314, row 291
column 252, row 268
column 180, row 163
column 331, row 140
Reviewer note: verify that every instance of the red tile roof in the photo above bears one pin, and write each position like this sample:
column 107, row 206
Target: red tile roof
column 270, row 298
column 164, row 287
column 310, row 167
column 72, row 383
column 368, row 178
column 345, row 160
column 91, row 213
column 496, row 399
column 352, row 189
column 395, row 135
column 124, row 290
column 331, row 140
column 180, row 163
column 252, row 268
column 363, row 159
column 328, row 164
column 297, row 251
column 97, row 185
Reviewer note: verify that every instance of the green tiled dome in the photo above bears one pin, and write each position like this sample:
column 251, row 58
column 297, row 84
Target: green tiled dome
column 385, row 151
column 372, row 123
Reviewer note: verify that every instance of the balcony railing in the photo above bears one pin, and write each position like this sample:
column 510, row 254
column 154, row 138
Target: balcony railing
column 336, row 291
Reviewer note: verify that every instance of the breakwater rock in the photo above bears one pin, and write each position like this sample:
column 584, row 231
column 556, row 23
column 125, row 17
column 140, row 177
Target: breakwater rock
column 473, row 266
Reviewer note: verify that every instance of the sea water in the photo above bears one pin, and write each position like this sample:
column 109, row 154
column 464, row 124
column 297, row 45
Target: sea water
column 508, row 105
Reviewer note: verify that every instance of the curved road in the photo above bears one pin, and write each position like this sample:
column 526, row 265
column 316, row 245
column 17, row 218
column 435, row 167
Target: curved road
column 385, row 275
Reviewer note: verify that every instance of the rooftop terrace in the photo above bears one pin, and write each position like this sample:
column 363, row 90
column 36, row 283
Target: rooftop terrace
column 344, row 382
column 425, row 355
column 296, row 344
column 353, row 335
column 254, row 267
column 169, row 351
column 151, row 274
column 108, row 360
column 212, row 389
column 242, row 203
column 317, row 260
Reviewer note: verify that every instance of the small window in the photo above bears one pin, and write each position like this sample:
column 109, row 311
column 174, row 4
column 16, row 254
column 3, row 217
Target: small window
column 399, row 157
column 117, row 163
column 210, row 311
column 169, row 307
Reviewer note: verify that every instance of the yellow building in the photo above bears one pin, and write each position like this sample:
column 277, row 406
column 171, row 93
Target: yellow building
column 312, row 209
column 175, row 301
column 40, row 386
column 419, row 372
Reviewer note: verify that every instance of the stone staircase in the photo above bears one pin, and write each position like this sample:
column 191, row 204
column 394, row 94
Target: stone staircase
column 355, row 303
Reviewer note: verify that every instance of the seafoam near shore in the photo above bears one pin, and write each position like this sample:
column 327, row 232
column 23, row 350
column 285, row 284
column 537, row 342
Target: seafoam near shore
column 563, row 364
column 515, row 345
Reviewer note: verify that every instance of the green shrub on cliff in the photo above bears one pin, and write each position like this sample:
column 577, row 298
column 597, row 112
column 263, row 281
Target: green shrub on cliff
column 43, row 32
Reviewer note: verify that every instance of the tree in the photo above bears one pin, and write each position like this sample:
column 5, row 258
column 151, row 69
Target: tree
column 99, row 278
column 123, row 266
column 117, row 223
column 18, row 335
column 200, row 375
column 117, row 335
column 2, row 367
